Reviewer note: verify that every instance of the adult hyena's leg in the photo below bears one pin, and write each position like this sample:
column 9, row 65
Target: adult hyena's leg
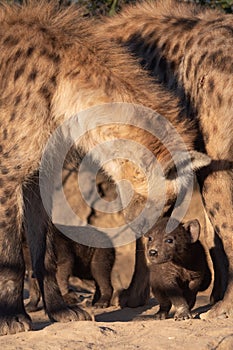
column 219, row 260
column 217, row 194
column 13, row 317
column 40, row 236
column 139, row 290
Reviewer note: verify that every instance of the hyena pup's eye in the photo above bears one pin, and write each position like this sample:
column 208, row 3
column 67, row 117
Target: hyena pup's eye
column 150, row 239
column 169, row 240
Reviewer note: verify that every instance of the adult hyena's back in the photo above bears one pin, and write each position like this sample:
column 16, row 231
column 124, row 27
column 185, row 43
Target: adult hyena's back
column 189, row 49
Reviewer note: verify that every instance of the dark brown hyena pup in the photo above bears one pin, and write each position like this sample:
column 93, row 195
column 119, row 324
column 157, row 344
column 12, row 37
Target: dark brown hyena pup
column 178, row 267
column 54, row 64
column 74, row 259
column 190, row 49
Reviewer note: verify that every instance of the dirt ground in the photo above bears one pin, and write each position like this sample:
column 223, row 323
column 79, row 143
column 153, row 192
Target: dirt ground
column 125, row 329
column 114, row 328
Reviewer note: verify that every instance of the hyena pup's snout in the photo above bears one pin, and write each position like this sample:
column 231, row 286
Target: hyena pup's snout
column 153, row 252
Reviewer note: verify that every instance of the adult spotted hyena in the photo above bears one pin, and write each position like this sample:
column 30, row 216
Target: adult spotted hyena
column 54, row 64
column 189, row 49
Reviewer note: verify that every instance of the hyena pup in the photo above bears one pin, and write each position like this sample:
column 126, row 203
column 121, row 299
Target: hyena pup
column 74, row 259
column 189, row 49
column 178, row 267
column 53, row 65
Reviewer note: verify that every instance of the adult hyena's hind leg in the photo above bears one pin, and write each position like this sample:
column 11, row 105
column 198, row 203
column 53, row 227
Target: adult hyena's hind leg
column 13, row 317
column 40, row 236
column 219, row 260
column 217, row 194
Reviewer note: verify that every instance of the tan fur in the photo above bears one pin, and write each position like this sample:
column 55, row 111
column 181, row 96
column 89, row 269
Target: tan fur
column 190, row 49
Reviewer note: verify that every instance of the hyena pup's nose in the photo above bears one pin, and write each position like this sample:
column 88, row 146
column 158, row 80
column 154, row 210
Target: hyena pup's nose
column 153, row 252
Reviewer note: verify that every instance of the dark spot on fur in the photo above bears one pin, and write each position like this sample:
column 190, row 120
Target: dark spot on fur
column 19, row 72
column 51, row 56
column 3, row 224
column 1, row 182
column 18, row 54
column 44, row 30
column 55, row 58
column 30, row 51
column 17, row 167
column 1, row 148
column 6, row 155
column 229, row 29
column 3, row 200
column 188, row 67
column 4, row 171
column 12, row 178
column 224, row 225
column 211, row 85
column 201, row 59
column 206, row 137
column 8, row 193
column 165, row 46
column 189, row 43
column 229, row 102
column 13, row 115
column 217, row 20
column 175, row 49
column 216, row 206
column 219, row 98
column 200, row 41
column 215, row 128
column 28, row 94
column 5, row 134
column 9, row 212
column 186, row 23
column 211, row 212
column 10, row 41
column 53, row 80
column 17, row 100
column 44, row 91
column 32, row 76
column 214, row 57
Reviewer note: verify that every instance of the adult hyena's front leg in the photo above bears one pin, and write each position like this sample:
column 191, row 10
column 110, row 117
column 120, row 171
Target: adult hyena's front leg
column 13, row 317
column 217, row 194
column 40, row 236
column 138, row 291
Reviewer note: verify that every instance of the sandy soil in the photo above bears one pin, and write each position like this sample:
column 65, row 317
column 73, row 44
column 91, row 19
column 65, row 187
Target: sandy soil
column 125, row 329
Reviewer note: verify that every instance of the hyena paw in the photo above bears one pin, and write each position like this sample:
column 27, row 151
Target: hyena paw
column 102, row 303
column 182, row 315
column 14, row 324
column 222, row 309
column 161, row 315
column 69, row 314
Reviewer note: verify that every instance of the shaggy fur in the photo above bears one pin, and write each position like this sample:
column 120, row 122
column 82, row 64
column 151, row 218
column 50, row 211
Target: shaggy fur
column 178, row 267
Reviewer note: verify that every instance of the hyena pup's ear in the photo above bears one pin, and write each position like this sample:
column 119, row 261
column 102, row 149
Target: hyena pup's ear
column 193, row 228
